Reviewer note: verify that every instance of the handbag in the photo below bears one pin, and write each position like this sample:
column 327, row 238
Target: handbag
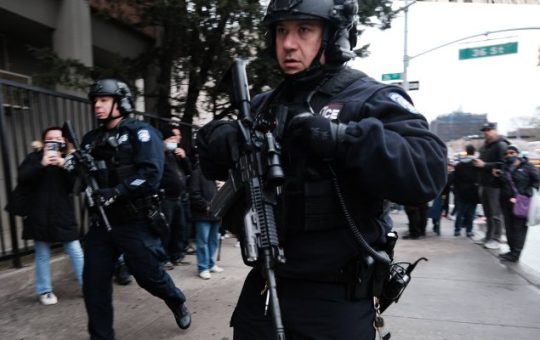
column 521, row 206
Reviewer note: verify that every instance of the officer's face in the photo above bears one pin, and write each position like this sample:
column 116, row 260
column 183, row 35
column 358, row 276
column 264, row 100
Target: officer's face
column 297, row 44
column 103, row 105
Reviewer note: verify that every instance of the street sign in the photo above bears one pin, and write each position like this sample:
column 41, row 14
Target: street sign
column 413, row 85
column 391, row 76
column 488, row 51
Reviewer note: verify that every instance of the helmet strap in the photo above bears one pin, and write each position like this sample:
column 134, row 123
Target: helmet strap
column 110, row 115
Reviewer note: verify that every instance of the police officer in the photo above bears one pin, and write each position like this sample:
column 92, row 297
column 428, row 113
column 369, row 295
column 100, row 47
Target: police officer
column 130, row 154
column 341, row 125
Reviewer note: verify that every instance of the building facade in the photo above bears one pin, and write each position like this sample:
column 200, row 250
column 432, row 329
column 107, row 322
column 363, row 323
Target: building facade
column 73, row 29
column 458, row 125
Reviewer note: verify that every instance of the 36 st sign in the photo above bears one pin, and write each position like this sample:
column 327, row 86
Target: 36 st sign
column 488, row 51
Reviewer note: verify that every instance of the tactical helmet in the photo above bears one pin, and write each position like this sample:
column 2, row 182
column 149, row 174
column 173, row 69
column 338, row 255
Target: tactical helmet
column 341, row 15
column 116, row 89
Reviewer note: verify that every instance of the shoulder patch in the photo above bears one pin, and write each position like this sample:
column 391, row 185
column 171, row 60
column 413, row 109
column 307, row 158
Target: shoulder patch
column 137, row 182
column 123, row 138
column 143, row 135
column 401, row 101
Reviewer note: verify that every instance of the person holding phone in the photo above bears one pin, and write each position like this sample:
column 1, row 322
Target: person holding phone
column 52, row 217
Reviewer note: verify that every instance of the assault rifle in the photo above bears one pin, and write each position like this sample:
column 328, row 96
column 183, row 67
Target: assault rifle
column 88, row 167
column 257, row 174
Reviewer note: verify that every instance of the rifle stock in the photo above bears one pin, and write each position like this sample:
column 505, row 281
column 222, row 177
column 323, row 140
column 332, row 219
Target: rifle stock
column 87, row 165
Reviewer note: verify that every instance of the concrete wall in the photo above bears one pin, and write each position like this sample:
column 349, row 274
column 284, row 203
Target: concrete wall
column 69, row 27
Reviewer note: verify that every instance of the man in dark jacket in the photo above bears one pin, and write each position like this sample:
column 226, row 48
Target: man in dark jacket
column 342, row 130
column 491, row 157
column 466, row 192
column 201, row 192
column 174, row 185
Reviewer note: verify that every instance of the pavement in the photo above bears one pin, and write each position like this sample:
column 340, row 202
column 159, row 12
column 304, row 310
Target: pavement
column 462, row 292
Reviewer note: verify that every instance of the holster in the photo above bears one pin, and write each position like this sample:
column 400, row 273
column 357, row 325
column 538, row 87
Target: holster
column 369, row 278
column 158, row 222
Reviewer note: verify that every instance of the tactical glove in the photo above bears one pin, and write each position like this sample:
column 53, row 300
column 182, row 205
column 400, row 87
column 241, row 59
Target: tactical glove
column 70, row 163
column 105, row 196
column 218, row 147
column 319, row 135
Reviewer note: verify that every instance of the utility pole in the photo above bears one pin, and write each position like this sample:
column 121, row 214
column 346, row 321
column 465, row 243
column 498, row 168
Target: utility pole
column 405, row 81
column 406, row 58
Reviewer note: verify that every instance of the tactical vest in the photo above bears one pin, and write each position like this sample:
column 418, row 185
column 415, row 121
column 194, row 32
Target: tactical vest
column 309, row 201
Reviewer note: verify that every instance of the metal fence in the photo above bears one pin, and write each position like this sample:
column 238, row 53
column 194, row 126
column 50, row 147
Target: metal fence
column 25, row 111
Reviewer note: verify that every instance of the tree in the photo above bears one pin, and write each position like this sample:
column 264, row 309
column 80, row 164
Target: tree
column 196, row 41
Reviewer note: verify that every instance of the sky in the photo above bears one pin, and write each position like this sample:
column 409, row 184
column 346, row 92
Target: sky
column 503, row 86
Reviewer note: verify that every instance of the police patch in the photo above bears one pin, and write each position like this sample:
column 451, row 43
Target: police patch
column 123, row 138
column 331, row 111
column 137, row 182
column 396, row 97
column 143, row 135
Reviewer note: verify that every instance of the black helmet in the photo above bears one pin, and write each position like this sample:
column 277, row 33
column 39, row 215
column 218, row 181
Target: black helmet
column 114, row 88
column 341, row 15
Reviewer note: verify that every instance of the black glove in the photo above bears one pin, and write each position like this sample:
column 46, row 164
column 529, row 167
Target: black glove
column 105, row 196
column 70, row 163
column 218, row 147
column 318, row 134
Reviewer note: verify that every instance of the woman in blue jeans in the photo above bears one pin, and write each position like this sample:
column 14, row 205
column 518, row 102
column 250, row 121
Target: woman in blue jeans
column 206, row 226
column 52, row 216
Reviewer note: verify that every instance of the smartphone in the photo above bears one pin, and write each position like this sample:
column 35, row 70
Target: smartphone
column 52, row 149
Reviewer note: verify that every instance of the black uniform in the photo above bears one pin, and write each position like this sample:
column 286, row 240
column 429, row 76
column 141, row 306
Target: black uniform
column 387, row 153
column 133, row 154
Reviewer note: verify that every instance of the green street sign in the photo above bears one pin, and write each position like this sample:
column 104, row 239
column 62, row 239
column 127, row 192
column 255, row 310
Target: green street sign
column 488, row 51
column 391, row 76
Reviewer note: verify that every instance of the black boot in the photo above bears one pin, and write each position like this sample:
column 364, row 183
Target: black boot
column 182, row 315
column 510, row 257
column 121, row 274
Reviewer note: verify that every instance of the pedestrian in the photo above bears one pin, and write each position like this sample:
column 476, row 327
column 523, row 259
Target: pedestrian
column 201, row 192
column 466, row 192
column 447, row 193
column 338, row 121
column 51, row 218
column 491, row 157
column 417, row 216
column 174, row 185
column 132, row 153
column 440, row 205
column 517, row 177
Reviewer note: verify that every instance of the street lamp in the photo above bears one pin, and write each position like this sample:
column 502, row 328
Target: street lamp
column 406, row 58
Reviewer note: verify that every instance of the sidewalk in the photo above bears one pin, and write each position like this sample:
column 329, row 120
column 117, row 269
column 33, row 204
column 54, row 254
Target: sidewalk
column 463, row 292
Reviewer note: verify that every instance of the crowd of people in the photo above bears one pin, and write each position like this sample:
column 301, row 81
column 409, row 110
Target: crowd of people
column 494, row 178
column 184, row 203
